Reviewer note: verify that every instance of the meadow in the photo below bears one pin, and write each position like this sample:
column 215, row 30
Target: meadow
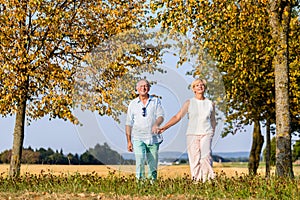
column 118, row 182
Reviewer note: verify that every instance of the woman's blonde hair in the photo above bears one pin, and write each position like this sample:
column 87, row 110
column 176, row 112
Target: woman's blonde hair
column 196, row 81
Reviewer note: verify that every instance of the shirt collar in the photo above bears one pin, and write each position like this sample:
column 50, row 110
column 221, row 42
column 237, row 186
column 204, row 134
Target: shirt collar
column 149, row 99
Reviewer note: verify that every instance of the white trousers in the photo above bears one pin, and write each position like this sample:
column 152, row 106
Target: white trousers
column 200, row 160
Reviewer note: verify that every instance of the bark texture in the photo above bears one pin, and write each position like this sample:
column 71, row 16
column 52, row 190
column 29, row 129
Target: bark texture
column 257, row 143
column 268, row 148
column 280, row 12
column 15, row 163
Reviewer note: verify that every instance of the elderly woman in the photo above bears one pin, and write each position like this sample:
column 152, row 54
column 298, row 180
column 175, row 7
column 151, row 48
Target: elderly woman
column 200, row 131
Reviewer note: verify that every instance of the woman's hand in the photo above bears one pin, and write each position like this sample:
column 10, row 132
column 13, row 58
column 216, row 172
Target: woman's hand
column 161, row 130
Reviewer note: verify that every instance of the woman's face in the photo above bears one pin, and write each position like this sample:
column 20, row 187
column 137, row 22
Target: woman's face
column 199, row 87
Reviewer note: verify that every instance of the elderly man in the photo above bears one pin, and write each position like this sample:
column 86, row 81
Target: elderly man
column 144, row 115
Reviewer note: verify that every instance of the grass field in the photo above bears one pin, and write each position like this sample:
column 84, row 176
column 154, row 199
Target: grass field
column 103, row 170
column 87, row 182
column 230, row 169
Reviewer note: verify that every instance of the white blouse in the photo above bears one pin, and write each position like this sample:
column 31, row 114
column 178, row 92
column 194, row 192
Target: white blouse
column 199, row 115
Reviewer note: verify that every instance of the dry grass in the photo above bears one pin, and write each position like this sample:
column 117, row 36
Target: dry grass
column 230, row 169
column 103, row 170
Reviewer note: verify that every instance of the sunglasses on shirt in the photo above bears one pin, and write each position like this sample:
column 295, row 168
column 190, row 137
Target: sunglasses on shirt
column 144, row 111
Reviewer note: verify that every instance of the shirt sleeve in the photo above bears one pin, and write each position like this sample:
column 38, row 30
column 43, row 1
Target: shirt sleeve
column 129, row 116
column 159, row 109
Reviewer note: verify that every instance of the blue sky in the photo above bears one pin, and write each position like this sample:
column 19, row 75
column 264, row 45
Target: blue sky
column 58, row 134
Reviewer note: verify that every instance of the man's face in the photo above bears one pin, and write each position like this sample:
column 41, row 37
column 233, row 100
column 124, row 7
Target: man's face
column 142, row 88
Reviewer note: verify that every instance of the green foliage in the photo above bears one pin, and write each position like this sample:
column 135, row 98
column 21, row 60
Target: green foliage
column 100, row 154
column 250, row 43
column 52, row 43
column 44, row 154
column 107, row 83
column 45, row 49
column 272, row 152
column 73, row 159
column 58, row 158
column 106, row 155
column 29, row 156
column 87, row 158
column 115, row 186
column 295, row 73
column 296, row 151
column 236, row 37
column 5, row 156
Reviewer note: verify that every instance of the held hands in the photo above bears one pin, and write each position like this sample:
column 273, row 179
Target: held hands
column 155, row 129
column 158, row 130
column 161, row 130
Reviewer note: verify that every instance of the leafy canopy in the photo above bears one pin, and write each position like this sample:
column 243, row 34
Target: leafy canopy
column 46, row 44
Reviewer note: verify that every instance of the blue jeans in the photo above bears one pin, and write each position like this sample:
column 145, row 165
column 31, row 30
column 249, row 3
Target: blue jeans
column 144, row 151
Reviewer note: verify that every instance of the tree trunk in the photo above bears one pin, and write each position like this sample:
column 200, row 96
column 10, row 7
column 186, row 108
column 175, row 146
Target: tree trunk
column 256, row 148
column 15, row 162
column 280, row 12
column 268, row 148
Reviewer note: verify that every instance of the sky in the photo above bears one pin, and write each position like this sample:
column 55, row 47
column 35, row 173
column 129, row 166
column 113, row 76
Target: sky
column 171, row 86
column 61, row 135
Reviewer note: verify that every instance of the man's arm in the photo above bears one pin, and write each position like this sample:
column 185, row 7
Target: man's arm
column 128, row 137
column 157, row 123
column 159, row 116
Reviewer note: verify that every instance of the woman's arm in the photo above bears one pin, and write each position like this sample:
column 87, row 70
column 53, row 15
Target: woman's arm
column 213, row 118
column 176, row 118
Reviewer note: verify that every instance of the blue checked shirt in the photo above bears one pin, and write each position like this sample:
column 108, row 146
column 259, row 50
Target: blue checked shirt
column 142, row 121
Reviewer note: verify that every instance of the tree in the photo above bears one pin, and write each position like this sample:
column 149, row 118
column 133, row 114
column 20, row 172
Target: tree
column 294, row 78
column 5, row 156
column 269, row 152
column 44, row 45
column 296, row 151
column 88, row 158
column 73, row 159
column 114, row 67
column 44, row 155
column 237, row 36
column 272, row 152
column 29, row 156
column 255, row 152
column 280, row 12
column 106, row 155
column 233, row 40
column 57, row 158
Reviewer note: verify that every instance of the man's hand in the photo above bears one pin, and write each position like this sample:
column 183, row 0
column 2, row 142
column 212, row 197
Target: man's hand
column 128, row 137
column 129, row 147
column 155, row 129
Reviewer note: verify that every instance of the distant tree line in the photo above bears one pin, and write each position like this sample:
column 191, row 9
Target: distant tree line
column 217, row 158
column 103, row 154
column 99, row 155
